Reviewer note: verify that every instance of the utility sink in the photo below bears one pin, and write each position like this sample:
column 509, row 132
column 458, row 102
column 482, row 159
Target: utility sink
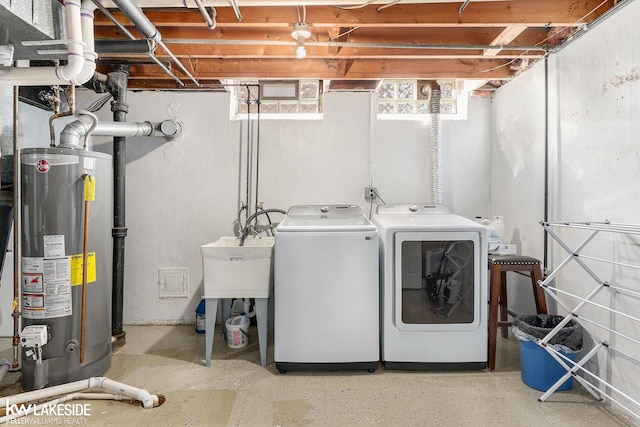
column 234, row 271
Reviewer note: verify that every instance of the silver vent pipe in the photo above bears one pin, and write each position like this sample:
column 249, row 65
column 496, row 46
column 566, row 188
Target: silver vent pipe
column 142, row 23
column 435, row 143
column 139, row 19
column 74, row 133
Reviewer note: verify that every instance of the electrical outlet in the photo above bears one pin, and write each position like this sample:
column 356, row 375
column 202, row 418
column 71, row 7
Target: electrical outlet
column 370, row 193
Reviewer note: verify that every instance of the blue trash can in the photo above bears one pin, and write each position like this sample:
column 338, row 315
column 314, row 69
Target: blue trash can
column 539, row 370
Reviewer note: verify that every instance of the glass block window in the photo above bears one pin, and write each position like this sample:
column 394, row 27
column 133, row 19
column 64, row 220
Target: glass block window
column 387, row 90
column 308, row 101
column 403, row 97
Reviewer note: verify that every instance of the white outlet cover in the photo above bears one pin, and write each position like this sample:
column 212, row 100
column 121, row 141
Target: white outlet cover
column 173, row 282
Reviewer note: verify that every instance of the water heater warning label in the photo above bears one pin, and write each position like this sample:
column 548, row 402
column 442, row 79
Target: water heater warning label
column 46, row 287
column 76, row 268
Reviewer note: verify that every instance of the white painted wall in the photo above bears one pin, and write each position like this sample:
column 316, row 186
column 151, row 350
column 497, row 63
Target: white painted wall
column 595, row 169
column 185, row 193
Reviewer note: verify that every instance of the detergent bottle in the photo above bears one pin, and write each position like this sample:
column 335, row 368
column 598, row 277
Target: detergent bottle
column 498, row 227
column 495, row 230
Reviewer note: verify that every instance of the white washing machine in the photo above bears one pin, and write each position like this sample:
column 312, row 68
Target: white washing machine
column 433, row 288
column 326, row 289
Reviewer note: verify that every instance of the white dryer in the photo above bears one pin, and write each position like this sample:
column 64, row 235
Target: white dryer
column 433, row 288
column 326, row 289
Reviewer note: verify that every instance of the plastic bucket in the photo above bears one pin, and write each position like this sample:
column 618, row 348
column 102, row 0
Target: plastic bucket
column 539, row 369
column 201, row 319
column 237, row 335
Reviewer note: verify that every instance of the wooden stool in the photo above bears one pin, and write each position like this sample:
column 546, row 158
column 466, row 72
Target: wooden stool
column 498, row 267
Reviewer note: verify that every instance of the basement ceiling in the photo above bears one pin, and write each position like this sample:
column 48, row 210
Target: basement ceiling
column 351, row 42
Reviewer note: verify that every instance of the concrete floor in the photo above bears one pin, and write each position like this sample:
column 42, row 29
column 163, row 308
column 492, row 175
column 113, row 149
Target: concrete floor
column 237, row 391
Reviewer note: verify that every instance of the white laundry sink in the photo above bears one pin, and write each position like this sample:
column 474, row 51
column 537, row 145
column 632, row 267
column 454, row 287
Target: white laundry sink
column 234, row 271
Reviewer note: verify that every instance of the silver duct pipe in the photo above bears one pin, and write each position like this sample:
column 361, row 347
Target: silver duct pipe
column 435, row 143
column 209, row 20
column 142, row 23
column 236, row 10
column 127, row 33
column 139, row 19
column 74, row 133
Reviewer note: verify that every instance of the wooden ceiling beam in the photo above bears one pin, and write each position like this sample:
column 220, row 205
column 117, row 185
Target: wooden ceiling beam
column 450, row 36
column 508, row 35
column 488, row 41
column 394, row 40
column 498, row 13
column 318, row 52
column 335, row 69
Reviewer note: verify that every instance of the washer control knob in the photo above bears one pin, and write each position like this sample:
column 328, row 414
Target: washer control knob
column 413, row 208
column 324, row 209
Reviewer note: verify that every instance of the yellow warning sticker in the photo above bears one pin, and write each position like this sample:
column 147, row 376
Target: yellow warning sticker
column 89, row 188
column 76, row 268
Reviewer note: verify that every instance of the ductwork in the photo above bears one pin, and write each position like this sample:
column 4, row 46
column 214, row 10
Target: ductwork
column 74, row 133
column 75, row 68
column 138, row 19
column 54, row 75
column 142, row 23
column 435, row 143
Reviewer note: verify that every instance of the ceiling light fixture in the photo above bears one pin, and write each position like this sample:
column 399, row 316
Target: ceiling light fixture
column 300, row 33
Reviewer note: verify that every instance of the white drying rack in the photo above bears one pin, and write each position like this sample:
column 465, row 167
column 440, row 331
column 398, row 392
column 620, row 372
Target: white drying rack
column 629, row 403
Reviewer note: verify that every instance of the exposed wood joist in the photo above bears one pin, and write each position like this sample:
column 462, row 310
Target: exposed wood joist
column 489, row 40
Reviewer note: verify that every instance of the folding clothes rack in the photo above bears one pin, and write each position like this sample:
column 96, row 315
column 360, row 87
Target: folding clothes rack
column 594, row 329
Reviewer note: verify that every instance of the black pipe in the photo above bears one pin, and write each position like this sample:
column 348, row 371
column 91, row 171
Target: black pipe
column 117, row 84
column 139, row 47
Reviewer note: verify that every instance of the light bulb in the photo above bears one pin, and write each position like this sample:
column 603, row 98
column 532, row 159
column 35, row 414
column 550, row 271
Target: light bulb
column 300, row 33
column 301, row 52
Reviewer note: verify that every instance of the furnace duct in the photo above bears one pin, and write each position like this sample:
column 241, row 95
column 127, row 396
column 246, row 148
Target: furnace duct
column 81, row 59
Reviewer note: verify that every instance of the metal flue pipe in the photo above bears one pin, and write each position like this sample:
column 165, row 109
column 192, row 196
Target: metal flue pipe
column 142, row 23
column 74, row 133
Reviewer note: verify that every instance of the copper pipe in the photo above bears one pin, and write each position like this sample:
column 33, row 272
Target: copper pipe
column 16, row 234
column 85, row 261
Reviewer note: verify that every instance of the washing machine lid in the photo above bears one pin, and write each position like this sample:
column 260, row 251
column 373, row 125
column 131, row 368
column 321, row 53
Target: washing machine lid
column 325, row 218
column 422, row 216
column 413, row 209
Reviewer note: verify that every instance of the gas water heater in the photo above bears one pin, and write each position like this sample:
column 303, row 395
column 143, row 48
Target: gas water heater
column 66, row 335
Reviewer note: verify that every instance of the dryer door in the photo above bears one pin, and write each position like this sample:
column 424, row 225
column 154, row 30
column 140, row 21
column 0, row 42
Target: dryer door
column 437, row 284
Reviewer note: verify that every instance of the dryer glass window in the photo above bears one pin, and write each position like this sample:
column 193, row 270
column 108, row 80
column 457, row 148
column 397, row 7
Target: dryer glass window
column 437, row 281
